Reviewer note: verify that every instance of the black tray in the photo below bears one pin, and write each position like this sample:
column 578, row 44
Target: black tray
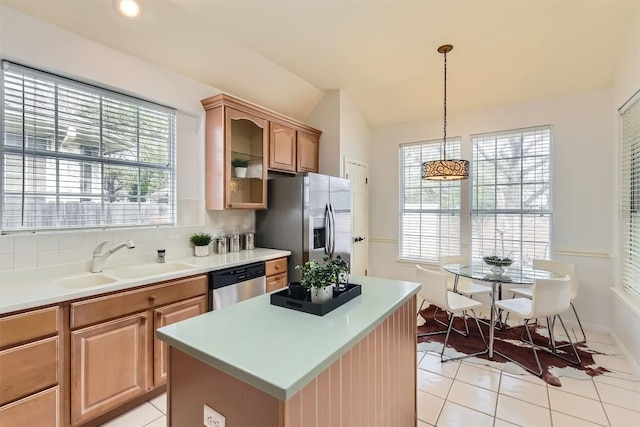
column 283, row 299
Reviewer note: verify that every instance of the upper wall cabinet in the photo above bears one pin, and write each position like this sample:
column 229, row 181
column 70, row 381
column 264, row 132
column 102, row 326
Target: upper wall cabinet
column 292, row 150
column 237, row 144
column 308, row 152
column 282, row 148
column 240, row 134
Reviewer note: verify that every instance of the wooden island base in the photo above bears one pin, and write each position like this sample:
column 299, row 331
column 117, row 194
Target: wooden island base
column 372, row 384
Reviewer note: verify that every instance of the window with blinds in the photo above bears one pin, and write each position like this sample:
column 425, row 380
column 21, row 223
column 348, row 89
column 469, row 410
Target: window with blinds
column 78, row 156
column 630, row 193
column 429, row 223
column 511, row 194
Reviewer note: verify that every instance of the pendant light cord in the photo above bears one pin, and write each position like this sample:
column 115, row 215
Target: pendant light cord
column 444, row 141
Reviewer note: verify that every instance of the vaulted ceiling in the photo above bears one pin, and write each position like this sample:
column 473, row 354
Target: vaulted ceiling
column 285, row 55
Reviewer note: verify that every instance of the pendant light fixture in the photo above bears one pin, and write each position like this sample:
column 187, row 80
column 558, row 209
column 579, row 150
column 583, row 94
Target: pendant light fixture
column 445, row 169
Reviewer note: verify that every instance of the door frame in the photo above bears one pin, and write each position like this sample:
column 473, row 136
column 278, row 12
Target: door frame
column 356, row 162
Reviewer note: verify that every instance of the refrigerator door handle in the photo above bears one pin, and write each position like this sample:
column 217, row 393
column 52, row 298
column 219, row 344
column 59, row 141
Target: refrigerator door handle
column 327, row 229
column 333, row 230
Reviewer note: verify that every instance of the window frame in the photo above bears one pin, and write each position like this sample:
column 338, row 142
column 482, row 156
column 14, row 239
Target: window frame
column 454, row 146
column 160, row 120
column 477, row 251
column 629, row 197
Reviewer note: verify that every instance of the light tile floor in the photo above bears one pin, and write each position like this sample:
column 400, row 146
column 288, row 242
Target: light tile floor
column 467, row 394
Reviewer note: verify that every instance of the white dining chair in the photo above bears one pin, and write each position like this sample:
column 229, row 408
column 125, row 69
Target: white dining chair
column 561, row 269
column 434, row 291
column 466, row 286
column 549, row 298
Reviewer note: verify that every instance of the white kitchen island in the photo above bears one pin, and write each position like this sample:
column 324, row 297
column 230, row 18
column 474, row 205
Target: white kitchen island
column 263, row 365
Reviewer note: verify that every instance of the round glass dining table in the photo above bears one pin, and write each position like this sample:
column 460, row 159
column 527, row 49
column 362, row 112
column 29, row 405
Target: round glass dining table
column 513, row 275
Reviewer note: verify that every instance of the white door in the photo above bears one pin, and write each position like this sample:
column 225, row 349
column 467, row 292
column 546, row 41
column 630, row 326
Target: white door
column 357, row 172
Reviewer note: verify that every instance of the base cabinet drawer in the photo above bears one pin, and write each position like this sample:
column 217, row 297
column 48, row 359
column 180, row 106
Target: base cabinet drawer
column 276, row 282
column 276, row 266
column 108, row 307
column 28, row 368
column 19, row 328
column 108, row 366
column 40, row 410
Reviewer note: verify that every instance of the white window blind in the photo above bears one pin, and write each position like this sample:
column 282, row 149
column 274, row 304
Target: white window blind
column 429, row 223
column 78, row 156
column 630, row 194
column 511, row 194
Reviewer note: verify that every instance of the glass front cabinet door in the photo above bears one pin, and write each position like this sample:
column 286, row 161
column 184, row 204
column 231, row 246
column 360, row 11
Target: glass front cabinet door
column 246, row 153
column 235, row 155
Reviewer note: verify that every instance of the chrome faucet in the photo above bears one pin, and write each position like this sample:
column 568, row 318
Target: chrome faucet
column 100, row 257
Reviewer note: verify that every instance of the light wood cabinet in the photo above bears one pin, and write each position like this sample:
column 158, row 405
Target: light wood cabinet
column 276, row 271
column 27, row 326
column 108, row 366
column 308, row 150
column 236, row 129
column 30, row 368
column 292, row 150
column 282, row 148
column 166, row 316
column 276, row 282
column 234, row 132
column 115, row 356
column 40, row 409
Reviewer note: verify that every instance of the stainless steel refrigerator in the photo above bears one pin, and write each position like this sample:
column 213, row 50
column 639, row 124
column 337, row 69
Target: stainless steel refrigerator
column 309, row 215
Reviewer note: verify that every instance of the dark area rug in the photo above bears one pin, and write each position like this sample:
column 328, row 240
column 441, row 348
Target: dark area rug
column 509, row 343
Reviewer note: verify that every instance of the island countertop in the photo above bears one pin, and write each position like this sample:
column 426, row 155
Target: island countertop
column 279, row 350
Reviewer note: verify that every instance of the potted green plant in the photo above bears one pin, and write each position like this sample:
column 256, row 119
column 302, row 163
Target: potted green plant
column 320, row 279
column 201, row 242
column 240, row 167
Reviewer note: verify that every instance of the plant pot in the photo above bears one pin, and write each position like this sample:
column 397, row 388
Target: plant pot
column 321, row 295
column 297, row 291
column 240, row 172
column 201, row 250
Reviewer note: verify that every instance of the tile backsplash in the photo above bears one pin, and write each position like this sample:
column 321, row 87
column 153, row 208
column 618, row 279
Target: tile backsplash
column 24, row 251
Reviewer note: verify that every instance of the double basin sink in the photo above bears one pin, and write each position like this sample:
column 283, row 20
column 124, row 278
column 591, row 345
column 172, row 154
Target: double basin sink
column 123, row 273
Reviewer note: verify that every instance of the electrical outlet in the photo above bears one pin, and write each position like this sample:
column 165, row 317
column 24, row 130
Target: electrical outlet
column 212, row 418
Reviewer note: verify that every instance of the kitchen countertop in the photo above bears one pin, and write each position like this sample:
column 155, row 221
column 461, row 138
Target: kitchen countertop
column 24, row 289
column 279, row 350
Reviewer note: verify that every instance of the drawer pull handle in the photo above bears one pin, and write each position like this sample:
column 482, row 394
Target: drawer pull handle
column 277, row 267
column 152, row 298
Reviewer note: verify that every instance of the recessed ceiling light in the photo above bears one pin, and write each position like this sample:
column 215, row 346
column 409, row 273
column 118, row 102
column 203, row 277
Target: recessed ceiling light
column 128, row 8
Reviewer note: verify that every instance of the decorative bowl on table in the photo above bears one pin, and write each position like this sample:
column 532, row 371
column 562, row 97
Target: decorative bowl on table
column 497, row 264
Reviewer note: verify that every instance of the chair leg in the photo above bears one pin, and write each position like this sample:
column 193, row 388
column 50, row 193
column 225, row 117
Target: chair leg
column 446, row 325
column 444, row 346
column 578, row 361
column 553, row 348
column 420, row 309
column 535, row 353
column 550, row 328
column 446, row 339
column 584, row 336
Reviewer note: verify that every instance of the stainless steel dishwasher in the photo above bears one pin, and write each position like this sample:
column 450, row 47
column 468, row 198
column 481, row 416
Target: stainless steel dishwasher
column 235, row 284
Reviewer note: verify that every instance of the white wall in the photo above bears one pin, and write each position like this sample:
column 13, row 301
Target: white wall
column 355, row 134
column 34, row 43
column 326, row 116
column 345, row 133
column 625, row 323
column 582, row 181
